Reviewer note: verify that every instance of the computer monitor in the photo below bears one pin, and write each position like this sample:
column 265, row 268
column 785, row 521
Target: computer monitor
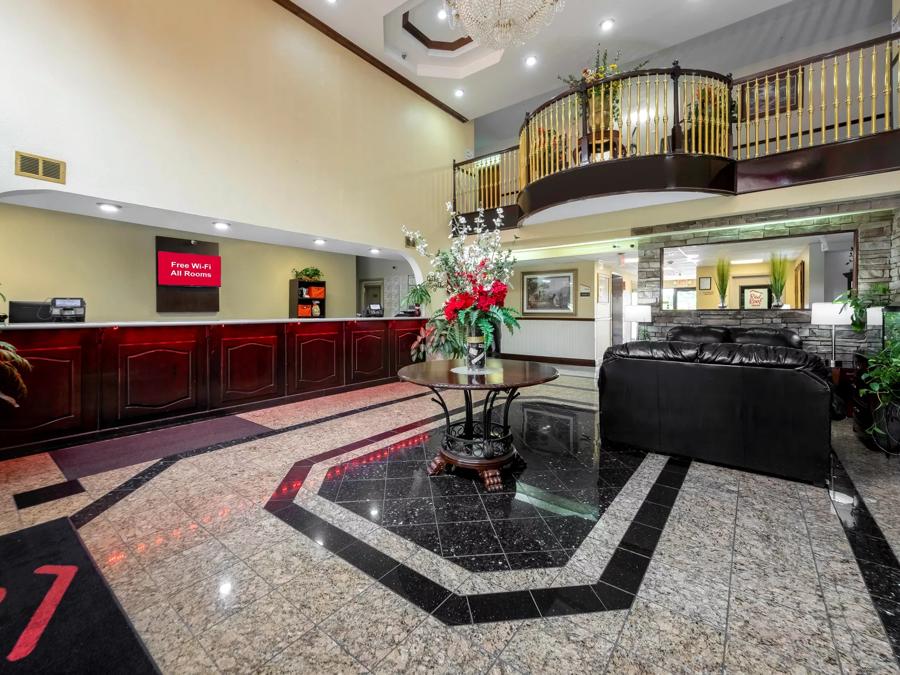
column 21, row 311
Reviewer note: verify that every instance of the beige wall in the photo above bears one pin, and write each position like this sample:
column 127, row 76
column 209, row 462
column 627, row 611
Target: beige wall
column 584, row 307
column 228, row 109
column 113, row 266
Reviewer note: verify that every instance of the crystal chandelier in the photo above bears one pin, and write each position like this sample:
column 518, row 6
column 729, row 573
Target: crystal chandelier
column 499, row 23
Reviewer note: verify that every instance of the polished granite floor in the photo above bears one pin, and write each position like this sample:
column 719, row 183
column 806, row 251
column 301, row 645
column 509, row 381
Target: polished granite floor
column 245, row 556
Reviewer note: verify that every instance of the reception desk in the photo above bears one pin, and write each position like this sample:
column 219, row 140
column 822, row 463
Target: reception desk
column 91, row 379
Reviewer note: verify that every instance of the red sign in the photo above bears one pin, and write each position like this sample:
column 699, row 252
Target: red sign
column 188, row 269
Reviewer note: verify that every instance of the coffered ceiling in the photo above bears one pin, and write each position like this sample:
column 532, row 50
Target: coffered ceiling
column 490, row 80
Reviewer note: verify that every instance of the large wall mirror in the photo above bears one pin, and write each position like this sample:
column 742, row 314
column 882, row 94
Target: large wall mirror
column 814, row 268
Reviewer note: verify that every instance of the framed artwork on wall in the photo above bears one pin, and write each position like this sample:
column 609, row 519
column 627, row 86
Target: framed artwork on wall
column 756, row 297
column 705, row 283
column 549, row 292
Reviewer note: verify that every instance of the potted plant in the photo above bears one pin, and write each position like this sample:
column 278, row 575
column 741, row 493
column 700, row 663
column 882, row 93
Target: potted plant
column 723, row 275
column 858, row 302
column 591, row 79
column 417, row 296
column 12, row 368
column 882, row 380
column 475, row 277
column 307, row 274
column 778, row 271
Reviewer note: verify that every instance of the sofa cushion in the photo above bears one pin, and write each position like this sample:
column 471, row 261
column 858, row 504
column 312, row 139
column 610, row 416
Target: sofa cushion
column 659, row 351
column 699, row 334
column 762, row 356
column 773, row 337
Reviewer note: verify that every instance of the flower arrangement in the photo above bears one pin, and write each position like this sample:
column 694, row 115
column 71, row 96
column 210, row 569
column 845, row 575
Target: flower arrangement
column 593, row 77
column 475, row 276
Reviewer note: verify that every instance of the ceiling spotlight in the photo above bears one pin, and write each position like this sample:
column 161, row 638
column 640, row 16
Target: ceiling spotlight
column 607, row 25
column 531, row 61
column 109, row 208
column 459, row 93
column 374, row 251
column 219, row 225
column 442, row 14
column 319, row 242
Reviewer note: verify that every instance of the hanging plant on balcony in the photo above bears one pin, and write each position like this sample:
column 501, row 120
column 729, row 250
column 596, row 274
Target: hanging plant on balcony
column 475, row 277
column 591, row 80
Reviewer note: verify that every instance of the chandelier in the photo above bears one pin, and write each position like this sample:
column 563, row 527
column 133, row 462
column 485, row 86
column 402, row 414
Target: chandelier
column 499, row 23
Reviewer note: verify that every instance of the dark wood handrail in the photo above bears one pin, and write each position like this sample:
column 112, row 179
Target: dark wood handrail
column 818, row 57
column 484, row 156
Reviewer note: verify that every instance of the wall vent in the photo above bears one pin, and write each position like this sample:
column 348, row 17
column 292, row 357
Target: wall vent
column 42, row 168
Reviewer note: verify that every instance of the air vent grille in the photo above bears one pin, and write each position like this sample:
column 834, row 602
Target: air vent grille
column 42, row 168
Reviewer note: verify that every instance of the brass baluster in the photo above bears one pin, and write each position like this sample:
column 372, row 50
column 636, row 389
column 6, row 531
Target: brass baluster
column 836, row 96
column 874, row 88
column 756, row 114
column 656, row 114
column 800, row 107
column 859, row 93
column 695, row 110
column 777, row 113
column 887, row 86
column 647, row 149
column 809, row 81
column 592, row 145
column 665, row 126
column 612, row 119
column 848, row 86
column 766, row 103
column 822, row 98
column 787, row 111
column 740, row 125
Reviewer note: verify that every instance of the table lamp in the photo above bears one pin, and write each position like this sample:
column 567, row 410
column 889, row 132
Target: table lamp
column 831, row 314
column 636, row 314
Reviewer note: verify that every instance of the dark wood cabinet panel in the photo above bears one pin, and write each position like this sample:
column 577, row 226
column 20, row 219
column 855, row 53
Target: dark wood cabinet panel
column 315, row 356
column 402, row 338
column 62, row 394
column 367, row 346
column 246, row 363
column 153, row 372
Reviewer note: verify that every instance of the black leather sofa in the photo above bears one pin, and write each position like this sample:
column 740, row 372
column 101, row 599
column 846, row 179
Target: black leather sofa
column 749, row 405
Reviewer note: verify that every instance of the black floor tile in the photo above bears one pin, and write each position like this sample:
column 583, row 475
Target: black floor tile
column 407, row 488
column 613, row 598
column 425, row 536
column 408, row 511
column 616, row 477
column 454, row 611
column 597, row 497
column 672, row 479
column 873, row 549
column 418, row 589
column 576, row 479
column 407, row 469
column 364, row 471
column 459, row 509
column 452, row 486
column 464, row 539
column 653, row 515
column 511, row 606
column 47, row 493
column 372, row 510
column 482, row 563
column 368, row 559
column 525, row 534
column 537, row 559
column 569, row 600
column 507, row 505
column 413, row 454
column 625, row 570
column 570, row 531
column 360, row 490
column 882, row 582
column 329, row 490
column 543, row 480
column 662, row 495
column 640, row 539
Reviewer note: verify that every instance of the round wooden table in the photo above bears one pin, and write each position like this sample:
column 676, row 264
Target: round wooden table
column 482, row 445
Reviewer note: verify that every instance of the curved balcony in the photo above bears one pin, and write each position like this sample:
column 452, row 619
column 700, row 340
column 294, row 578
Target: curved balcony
column 661, row 135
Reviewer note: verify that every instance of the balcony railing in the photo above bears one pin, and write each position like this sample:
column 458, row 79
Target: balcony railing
column 849, row 93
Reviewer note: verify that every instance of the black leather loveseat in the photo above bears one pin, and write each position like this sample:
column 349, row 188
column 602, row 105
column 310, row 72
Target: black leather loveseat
column 747, row 405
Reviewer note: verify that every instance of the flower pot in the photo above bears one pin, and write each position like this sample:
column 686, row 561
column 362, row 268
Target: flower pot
column 475, row 352
column 777, row 303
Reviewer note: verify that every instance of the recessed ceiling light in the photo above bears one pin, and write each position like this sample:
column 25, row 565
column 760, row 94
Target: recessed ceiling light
column 109, row 208
column 319, row 242
column 531, row 61
column 374, row 251
column 607, row 25
column 442, row 14
column 749, row 261
column 219, row 225
column 459, row 93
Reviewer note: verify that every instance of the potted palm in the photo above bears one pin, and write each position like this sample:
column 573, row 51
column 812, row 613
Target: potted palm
column 417, row 296
column 858, row 302
column 723, row 275
column 882, row 380
column 12, row 369
column 778, row 271
column 475, row 274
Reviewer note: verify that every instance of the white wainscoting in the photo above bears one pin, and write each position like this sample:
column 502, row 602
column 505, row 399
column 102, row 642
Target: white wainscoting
column 551, row 338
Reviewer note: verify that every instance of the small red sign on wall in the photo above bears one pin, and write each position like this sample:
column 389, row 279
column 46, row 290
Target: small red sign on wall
column 188, row 269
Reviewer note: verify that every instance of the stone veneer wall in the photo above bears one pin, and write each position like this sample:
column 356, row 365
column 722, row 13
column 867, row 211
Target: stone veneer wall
column 877, row 222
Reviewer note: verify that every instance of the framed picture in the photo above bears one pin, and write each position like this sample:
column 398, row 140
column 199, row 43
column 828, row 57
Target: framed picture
column 756, row 297
column 602, row 289
column 705, row 283
column 753, row 96
column 548, row 292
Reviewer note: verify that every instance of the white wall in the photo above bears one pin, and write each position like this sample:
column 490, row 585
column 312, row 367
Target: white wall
column 553, row 338
column 834, row 280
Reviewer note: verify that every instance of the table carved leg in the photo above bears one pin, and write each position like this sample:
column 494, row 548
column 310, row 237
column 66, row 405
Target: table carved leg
column 491, row 478
column 437, row 466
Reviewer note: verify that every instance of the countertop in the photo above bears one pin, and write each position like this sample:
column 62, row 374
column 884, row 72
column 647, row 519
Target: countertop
column 209, row 322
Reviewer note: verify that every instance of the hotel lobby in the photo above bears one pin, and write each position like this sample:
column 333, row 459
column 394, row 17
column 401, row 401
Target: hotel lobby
column 344, row 336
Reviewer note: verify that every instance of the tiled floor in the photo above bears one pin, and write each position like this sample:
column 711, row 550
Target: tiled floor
column 250, row 557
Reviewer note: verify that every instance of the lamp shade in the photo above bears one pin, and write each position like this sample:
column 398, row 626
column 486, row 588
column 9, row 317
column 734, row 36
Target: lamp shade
column 830, row 314
column 875, row 316
column 638, row 313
